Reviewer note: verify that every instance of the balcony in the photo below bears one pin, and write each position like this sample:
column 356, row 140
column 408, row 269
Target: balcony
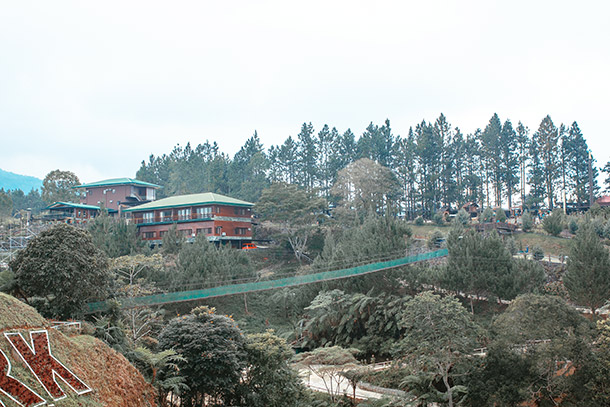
column 172, row 218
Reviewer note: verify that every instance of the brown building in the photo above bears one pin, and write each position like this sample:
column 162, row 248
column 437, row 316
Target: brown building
column 117, row 192
column 220, row 218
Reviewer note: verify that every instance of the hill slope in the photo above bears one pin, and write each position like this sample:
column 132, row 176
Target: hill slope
column 113, row 381
column 10, row 180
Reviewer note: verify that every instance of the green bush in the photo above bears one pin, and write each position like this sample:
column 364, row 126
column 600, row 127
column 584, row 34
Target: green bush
column 537, row 253
column 500, row 215
column 553, row 223
column 419, row 221
column 487, row 215
column 462, row 217
column 438, row 219
column 527, row 222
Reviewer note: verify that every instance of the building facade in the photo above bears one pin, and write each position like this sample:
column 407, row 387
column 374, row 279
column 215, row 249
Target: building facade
column 220, row 218
column 117, row 193
column 72, row 213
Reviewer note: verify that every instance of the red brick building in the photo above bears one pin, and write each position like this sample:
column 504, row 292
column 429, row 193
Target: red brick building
column 220, row 218
column 117, row 192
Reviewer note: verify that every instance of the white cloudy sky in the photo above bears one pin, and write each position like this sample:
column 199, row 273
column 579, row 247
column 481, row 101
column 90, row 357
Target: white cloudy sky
column 96, row 87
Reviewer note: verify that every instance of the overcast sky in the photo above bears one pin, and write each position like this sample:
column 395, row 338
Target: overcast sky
column 96, row 87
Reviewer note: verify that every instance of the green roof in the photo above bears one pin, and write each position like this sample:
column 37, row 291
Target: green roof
column 72, row 205
column 189, row 200
column 118, row 181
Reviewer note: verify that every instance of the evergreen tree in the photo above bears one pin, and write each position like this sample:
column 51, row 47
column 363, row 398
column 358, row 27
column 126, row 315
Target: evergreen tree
column 509, row 161
column 491, row 147
column 523, row 148
column 588, row 277
column 247, row 173
column 307, row 157
column 545, row 145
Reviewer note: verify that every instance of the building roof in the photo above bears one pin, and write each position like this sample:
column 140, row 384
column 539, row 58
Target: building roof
column 205, row 198
column 55, row 205
column 118, row 181
column 59, row 205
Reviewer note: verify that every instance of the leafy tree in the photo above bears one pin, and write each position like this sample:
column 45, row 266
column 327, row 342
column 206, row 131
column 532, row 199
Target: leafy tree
column 214, row 357
column 293, row 211
column 59, row 186
column 329, row 364
column 541, row 335
column 63, row 266
column 365, row 186
column 269, row 381
column 588, row 276
column 161, row 370
column 439, row 332
column 553, row 223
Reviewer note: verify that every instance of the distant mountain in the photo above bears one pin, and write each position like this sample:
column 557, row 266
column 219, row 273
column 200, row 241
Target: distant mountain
column 9, row 180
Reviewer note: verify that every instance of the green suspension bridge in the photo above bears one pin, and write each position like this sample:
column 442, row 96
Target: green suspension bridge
column 231, row 289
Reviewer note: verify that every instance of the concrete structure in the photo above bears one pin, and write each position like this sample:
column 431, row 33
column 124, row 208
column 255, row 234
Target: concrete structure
column 117, row 193
column 220, row 218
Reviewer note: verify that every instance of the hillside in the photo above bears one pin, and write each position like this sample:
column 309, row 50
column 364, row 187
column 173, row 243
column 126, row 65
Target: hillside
column 111, row 380
column 10, row 180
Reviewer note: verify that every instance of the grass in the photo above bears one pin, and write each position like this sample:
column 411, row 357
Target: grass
column 552, row 245
column 555, row 246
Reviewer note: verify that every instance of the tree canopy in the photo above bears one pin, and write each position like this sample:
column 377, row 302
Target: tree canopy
column 63, row 266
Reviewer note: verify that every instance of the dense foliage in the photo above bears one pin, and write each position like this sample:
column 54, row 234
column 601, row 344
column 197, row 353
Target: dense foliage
column 65, row 268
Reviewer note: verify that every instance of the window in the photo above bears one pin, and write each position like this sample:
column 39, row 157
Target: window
column 149, row 235
column 186, row 232
column 148, row 216
column 207, row 231
column 218, row 230
column 240, row 211
column 184, row 214
column 204, row 212
column 241, row 231
column 166, row 216
column 162, row 233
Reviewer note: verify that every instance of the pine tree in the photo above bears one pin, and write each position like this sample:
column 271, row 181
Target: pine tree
column 523, row 146
column 490, row 143
column 546, row 143
column 307, row 157
column 509, row 162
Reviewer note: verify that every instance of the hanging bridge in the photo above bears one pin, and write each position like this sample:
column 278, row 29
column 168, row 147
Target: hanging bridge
column 231, row 289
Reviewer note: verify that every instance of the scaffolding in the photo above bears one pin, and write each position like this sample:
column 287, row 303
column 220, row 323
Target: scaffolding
column 16, row 237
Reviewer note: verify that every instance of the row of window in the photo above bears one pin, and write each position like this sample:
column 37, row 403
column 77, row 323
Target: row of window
column 199, row 231
column 186, row 213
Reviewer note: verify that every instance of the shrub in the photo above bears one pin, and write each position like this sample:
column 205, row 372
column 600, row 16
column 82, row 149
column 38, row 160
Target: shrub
column 438, row 219
column 553, row 223
column 419, row 221
column 462, row 217
column 527, row 222
column 500, row 215
column 537, row 253
column 487, row 215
